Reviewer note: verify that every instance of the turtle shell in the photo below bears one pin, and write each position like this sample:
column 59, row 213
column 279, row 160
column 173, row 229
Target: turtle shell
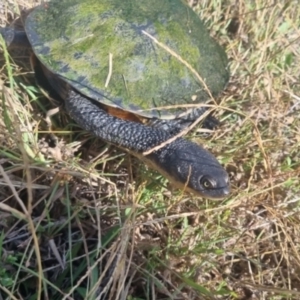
column 100, row 48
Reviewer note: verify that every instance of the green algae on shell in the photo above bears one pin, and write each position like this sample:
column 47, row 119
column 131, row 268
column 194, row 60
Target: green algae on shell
column 75, row 38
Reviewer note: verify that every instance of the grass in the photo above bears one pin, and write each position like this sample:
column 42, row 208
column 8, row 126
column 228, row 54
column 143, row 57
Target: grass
column 78, row 216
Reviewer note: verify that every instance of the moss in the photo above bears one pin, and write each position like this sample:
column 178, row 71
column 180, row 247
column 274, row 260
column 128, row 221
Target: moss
column 143, row 74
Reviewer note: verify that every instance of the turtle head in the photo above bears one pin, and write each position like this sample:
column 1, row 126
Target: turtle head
column 192, row 168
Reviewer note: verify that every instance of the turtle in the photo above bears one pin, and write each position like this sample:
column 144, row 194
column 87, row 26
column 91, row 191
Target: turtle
column 126, row 71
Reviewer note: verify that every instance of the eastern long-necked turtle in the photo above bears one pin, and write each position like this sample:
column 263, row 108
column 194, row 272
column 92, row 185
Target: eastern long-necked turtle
column 105, row 60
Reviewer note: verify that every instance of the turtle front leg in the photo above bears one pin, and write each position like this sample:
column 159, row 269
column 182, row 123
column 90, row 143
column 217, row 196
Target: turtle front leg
column 14, row 38
column 174, row 126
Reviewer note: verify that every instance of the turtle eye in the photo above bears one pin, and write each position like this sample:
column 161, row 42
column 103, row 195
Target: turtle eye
column 206, row 182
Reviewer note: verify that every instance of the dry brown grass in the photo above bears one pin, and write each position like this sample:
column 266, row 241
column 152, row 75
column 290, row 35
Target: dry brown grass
column 71, row 208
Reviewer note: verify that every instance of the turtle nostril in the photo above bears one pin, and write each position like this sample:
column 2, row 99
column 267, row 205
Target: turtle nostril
column 226, row 191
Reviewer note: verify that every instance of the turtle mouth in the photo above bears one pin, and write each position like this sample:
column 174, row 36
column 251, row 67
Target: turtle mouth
column 215, row 194
column 216, row 187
